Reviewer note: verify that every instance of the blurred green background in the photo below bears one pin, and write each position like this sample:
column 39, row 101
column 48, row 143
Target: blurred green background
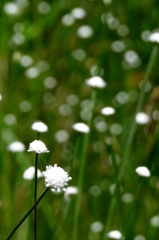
column 45, row 58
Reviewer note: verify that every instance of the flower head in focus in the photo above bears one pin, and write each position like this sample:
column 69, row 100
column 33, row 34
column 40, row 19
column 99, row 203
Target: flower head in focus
column 56, row 178
column 39, row 127
column 38, row 147
column 96, row 82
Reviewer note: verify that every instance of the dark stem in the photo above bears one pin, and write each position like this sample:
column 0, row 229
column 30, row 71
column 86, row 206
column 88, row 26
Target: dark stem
column 27, row 214
column 35, row 193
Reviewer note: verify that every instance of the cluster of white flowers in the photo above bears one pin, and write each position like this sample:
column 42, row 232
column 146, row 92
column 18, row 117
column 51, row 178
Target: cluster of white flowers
column 56, row 178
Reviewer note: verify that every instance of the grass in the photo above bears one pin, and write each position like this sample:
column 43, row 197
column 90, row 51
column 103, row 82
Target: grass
column 95, row 161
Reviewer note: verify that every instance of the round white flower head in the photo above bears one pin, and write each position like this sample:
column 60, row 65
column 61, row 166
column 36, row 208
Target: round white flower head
column 39, row 127
column 16, row 147
column 70, row 191
column 81, row 127
column 142, row 118
column 38, row 147
column 30, row 173
column 143, row 171
column 154, row 37
column 115, row 234
column 96, row 82
column 108, row 111
column 56, row 178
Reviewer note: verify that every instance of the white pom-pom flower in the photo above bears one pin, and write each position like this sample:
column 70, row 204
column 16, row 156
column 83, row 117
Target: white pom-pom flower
column 38, row 147
column 39, row 127
column 96, row 82
column 56, row 178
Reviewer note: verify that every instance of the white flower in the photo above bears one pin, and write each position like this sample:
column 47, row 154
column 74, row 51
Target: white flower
column 96, row 82
column 56, row 178
column 39, row 127
column 81, row 127
column 115, row 234
column 70, row 191
column 142, row 118
column 143, row 171
column 16, row 147
column 30, row 173
column 154, row 37
column 108, row 111
column 38, row 147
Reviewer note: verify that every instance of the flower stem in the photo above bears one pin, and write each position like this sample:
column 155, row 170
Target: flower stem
column 35, row 193
column 81, row 172
column 27, row 214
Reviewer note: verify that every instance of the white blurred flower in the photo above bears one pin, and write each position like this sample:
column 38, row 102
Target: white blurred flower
column 96, row 82
column 84, row 31
column 78, row 13
column 97, row 227
column 11, row 8
column 81, row 127
column 0, row 97
column 30, row 173
column 154, row 37
column 16, row 147
column 56, row 178
column 143, row 171
column 108, row 111
column 38, row 147
column 154, row 221
column 142, row 118
column 61, row 136
column 69, row 192
column 39, row 127
column 115, row 234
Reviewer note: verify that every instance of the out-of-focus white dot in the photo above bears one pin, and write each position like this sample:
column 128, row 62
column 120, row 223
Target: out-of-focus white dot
column 81, row 127
column 98, row 146
column 67, row 20
column 127, row 197
column 100, row 124
column 96, row 71
column 85, row 114
column 108, row 140
column 84, row 31
column 123, row 30
column 139, row 237
column 44, row 7
column 79, row 54
column 65, row 110
column 95, row 191
column 142, row 118
column 143, row 171
column 10, row 119
column 30, row 173
column 0, row 97
column 96, row 82
column 154, row 37
column 50, row 82
column 39, row 126
column 70, row 192
column 154, row 221
column 25, row 106
column 108, row 111
column 48, row 97
column 155, row 115
column 11, row 8
column 16, row 147
column 42, row 66
column 18, row 38
column 132, row 59
column 116, row 129
column 122, row 97
column 97, row 227
column 112, row 22
column 78, row 13
column 106, row 2
column 72, row 99
column 32, row 72
column 145, row 35
column 86, row 104
column 118, row 46
column 26, row 61
column 61, row 136
column 147, row 86
column 115, row 234
column 22, row 3
column 18, row 27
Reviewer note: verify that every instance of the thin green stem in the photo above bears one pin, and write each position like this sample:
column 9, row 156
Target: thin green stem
column 35, row 193
column 81, row 171
column 27, row 214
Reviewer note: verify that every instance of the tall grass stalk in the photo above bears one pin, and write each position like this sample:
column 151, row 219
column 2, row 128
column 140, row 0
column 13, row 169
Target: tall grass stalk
column 27, row 214
column 35, row 193
column 81, row 170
